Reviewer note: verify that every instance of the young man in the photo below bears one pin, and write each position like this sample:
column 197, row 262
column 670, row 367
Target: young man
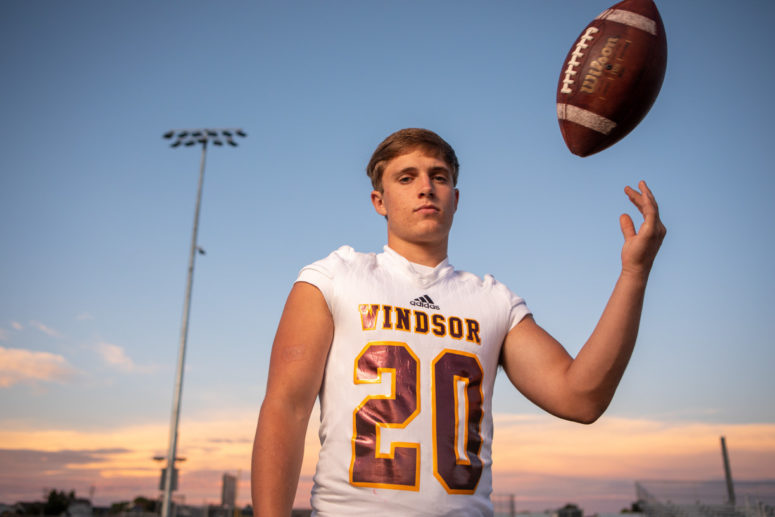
column 403, row 350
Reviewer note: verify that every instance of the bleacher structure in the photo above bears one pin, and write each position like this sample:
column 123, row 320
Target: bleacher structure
column 706, row 499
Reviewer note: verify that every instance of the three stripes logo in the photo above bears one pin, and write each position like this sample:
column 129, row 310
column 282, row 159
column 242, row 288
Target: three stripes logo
column 424, row 302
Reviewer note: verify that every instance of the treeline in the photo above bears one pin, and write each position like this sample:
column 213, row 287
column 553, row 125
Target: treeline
column 58, row 502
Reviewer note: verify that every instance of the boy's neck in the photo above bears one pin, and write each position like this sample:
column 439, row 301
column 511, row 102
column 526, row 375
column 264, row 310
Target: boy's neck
column 430, row 256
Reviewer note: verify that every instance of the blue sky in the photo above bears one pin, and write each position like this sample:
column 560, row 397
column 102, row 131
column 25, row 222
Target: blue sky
column 96, row 209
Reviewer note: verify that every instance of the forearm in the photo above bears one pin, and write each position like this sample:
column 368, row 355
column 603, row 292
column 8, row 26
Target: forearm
column 580, row 389
column 595, row 373
column 277, row 455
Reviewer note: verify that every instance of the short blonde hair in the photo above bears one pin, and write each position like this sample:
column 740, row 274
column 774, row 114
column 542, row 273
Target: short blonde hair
column 407, row 140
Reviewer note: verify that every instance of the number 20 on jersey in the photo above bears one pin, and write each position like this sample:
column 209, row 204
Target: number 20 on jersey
column 400, row 468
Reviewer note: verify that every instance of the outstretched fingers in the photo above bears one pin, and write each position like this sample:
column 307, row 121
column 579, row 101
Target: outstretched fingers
column 647, row 206
column 641, row 247
column 643, row 200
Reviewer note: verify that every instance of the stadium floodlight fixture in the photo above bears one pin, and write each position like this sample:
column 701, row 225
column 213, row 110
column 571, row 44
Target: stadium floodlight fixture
column 188, row 138
column 217, row 136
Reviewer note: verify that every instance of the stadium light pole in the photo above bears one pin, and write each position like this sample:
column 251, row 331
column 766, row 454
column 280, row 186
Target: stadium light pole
column 189, row 138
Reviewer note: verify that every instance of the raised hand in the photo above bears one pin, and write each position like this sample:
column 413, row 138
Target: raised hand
column 641, row 247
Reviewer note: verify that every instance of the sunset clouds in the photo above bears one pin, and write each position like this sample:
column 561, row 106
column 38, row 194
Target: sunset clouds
column 46, row 329
column 116, row 357
column 19, row 365
column 28, row 366
column 631, row 448
column 542, row 460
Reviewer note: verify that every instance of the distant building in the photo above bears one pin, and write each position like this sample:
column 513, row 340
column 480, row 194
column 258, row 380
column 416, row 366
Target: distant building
column 229, row 491
column 80, row 508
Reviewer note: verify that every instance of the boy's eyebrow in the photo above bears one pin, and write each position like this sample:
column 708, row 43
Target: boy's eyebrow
column 406, row 170
column 439, row 168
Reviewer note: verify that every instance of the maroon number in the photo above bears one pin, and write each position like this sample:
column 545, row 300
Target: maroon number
column 458, row 473
column 400, row 468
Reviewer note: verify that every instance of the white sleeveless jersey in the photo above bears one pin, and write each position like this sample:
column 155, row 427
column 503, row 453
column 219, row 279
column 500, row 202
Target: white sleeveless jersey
column 406, row 400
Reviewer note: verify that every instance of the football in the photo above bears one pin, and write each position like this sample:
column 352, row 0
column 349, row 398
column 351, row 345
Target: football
column 611, row 76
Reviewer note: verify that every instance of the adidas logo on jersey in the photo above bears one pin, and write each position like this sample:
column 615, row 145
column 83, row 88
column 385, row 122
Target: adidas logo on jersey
column 424, row 302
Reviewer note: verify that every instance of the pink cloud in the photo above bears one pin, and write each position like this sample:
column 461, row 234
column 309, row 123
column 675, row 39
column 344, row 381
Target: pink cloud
column 45, row 329
column 541, row 461
column 116, row 356
column 19, row 365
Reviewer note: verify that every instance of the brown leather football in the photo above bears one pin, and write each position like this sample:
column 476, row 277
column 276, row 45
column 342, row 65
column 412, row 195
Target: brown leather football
column 611, row 76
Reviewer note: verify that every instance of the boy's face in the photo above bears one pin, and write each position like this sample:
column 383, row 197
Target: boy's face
column 417, row 198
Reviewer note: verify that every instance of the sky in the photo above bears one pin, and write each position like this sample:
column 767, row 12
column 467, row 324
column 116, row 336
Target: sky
column 96, row 214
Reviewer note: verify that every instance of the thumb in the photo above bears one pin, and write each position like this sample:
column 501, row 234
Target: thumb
column 628, row 227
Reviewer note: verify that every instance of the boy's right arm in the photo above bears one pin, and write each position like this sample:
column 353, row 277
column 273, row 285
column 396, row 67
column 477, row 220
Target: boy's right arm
column 296, row 368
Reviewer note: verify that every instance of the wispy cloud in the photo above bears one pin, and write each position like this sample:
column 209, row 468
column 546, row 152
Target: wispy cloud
column 118, row 462
column 116, row 357
column 544, row 461
column 31, row 460
column 595, row 466
column 19, row 365
column 630, row 448
column 80, row 470
column 84, row 316
column 45, row 329
column 15, row 325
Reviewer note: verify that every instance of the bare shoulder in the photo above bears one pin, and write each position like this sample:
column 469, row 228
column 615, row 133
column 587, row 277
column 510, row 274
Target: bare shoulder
column 306, row 315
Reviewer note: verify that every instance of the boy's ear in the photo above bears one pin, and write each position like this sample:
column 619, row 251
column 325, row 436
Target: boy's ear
column 378, row 202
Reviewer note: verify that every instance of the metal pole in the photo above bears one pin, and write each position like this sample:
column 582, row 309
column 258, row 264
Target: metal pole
column 728, row 473
column 173, row 442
